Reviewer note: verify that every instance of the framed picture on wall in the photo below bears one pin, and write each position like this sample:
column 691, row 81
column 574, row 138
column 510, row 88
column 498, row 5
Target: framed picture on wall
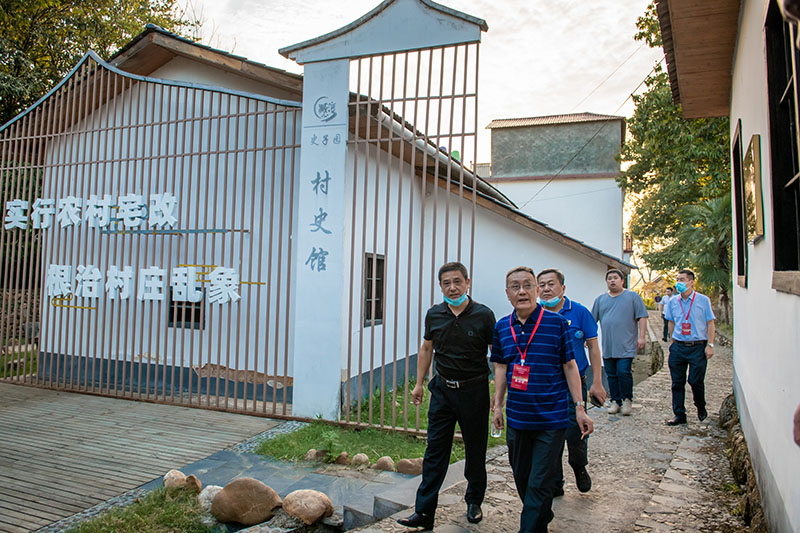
column 754, row 206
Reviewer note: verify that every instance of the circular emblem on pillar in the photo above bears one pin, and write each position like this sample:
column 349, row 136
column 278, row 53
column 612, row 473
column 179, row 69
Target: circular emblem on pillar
column 325, row 109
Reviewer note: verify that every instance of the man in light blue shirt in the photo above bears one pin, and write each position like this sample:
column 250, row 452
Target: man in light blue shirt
column 692, row 329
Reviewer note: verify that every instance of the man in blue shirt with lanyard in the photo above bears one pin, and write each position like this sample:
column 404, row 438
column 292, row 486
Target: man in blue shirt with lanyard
column 692, row 329
column 582, row 331
column 533, row 360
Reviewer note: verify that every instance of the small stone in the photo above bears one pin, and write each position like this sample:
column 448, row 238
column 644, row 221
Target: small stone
column 308, row 505
column 193, row 485
column 410, row 466
column 206, row 496
column 360, row 459
column 246, row 501
column 343, row 459
column 384, row 463
column 174, row 480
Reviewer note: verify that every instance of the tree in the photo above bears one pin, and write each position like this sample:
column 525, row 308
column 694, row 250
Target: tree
column 41, row 40
column 679, row 177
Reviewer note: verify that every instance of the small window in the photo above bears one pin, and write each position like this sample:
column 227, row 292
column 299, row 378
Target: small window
column 740, row 224
column 374, row 274
column 188, row 315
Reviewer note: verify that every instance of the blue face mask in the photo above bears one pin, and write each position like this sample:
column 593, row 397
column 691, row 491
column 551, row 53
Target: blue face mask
column 552, row 302
column 681, row 286
column 456, row 302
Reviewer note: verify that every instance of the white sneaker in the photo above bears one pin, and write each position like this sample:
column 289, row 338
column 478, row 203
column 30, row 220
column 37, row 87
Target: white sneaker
column 627, row 407
column 614, row 409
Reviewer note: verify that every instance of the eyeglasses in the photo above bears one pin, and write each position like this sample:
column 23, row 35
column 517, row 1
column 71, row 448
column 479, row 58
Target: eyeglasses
column 516, row 287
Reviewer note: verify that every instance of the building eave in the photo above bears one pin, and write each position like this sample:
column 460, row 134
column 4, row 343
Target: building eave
column 154, row 47
column 699, row 39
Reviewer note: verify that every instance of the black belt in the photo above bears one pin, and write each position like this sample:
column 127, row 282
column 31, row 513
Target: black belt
column 690, row 343
column 459, row 383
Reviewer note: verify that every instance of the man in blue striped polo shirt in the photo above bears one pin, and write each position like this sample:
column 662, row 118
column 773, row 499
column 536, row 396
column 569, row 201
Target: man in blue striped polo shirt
column 533, row 359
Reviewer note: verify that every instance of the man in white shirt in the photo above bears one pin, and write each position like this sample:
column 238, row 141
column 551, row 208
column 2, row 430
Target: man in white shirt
column 663, row 307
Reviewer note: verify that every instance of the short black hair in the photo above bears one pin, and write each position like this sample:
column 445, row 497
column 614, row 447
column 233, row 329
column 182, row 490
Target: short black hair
column 615, row 271
column 514, row 270
column 687, row 272
column 670, row 288
column 557, row 272
column 452, row 266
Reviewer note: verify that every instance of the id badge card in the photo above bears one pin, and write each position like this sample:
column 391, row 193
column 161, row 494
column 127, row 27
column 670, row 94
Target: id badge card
column 686, row 328
column 519, row 377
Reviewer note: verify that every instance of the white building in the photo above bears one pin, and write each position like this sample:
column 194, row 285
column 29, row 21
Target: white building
column 739, row 59
column 562, row 170
column 325, row 198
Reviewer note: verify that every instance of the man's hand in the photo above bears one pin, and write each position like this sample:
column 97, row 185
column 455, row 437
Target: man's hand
column 640, row 344
column 416, row 394
column 709, row 351
column 497, row 419
column 598, row 391
column 584, row 422
column 797, row 426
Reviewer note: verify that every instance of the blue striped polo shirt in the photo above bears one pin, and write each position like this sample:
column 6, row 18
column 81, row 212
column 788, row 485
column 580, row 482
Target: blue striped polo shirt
column 545, row 403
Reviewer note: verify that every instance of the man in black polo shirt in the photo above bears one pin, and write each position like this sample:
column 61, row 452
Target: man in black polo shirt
column 458, row 333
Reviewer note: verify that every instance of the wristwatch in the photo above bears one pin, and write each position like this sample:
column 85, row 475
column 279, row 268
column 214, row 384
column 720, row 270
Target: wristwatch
column 578, row 404
column 710, row 344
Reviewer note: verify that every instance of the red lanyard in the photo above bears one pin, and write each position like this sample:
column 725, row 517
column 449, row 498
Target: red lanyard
column 522, row 354
column 680, row 301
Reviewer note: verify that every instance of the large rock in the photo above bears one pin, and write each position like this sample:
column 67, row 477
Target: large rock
column 246, row 501
column 174, row 480
column 207, row 495
column 360, row 459
column 308, row 505
column 384, row 463
column 410, row 466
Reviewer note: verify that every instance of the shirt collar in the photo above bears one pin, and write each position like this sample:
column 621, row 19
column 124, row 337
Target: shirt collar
column 467, row 308
column 567, row 305
column 515, row 320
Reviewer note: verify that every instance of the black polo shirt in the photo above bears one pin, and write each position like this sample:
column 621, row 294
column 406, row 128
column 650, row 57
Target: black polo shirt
column 460, row 343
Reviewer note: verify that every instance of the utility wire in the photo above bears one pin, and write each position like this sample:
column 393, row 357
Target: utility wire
column 607, row 78
column 571, row 159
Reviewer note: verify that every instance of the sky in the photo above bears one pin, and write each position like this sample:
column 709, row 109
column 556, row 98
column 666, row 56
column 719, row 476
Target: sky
column 539, row 57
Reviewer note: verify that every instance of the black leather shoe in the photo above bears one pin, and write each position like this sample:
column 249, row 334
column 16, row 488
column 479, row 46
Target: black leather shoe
column 418, row 520
column 676, row 421
column 582, row 479
column 474, row 513
column 558, row 491
column 702, row 414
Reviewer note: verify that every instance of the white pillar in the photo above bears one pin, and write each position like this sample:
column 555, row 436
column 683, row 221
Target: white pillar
column 320, row 262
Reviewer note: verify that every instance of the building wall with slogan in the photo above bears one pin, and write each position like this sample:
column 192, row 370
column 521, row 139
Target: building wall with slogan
column 216, row 188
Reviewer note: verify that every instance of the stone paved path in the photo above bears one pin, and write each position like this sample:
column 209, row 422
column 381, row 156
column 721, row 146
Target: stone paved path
column 646, row 476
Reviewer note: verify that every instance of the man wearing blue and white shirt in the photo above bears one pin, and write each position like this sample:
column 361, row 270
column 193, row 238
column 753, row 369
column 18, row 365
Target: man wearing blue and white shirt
column 692, row 329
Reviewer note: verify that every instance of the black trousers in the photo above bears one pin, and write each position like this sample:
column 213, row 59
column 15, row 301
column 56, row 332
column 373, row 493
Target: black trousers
column 533, row 455
column 666, row 328
column 693, row 357
column 469, row 407
column 578, row 447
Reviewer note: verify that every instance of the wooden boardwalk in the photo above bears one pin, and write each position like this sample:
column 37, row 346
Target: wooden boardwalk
column 62, row 452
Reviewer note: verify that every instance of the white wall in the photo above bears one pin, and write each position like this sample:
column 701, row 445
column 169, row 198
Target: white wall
column 187, row 70
column 586, row 209
column 500, row 244
column 766, row 359
column 215, row 191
